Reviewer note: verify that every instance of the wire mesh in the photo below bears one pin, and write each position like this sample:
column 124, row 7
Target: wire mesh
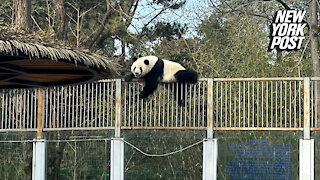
column 84, row 160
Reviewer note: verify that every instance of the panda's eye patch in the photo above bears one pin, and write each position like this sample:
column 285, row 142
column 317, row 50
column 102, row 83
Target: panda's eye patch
column 146, row 62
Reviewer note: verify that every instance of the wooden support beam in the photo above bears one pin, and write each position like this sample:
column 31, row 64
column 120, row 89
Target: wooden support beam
column 39, row 115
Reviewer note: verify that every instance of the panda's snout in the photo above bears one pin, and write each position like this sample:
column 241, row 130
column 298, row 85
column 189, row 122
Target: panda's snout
column 137, row 72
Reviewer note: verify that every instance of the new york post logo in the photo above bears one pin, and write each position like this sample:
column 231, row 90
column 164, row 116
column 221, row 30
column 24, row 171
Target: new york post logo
column 286, row 30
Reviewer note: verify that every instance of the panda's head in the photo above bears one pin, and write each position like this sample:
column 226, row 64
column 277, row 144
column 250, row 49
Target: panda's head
column 143, row 65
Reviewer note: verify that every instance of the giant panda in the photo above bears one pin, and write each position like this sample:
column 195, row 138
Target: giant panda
column 155, row 70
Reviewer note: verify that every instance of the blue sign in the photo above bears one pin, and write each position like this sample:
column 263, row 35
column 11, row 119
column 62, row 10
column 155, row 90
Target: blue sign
column 258, row 159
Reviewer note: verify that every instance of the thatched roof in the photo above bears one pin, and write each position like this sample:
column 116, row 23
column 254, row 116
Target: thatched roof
column 23, row 60
column 34, row 50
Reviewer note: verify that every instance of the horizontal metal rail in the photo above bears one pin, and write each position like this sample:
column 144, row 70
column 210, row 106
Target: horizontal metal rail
column 237, row 104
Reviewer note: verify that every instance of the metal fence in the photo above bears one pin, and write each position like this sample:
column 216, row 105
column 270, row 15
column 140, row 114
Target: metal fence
column 232, row 104
column 89, row 106
column 272, row 103
column 315, row 103
column 18, row 110
column 161, row 110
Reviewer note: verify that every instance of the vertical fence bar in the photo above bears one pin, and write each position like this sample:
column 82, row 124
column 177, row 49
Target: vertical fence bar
column 295, row 104
column 316, row 104
column 108, row 103
column 249, row 103
column 221, row 103
column 24, row 109
column 217, row 102
column 267, row 104
column 253, row 104
column 290, row 105
column 258, row 107
column 210, row 109
column 239, row 105
column 281, row 99
column 285, row 104
column 299, row 104
column 69, row 106
column 203, row 97
column 225, row 105
column 244, row 104
column 276, row 100
column 271, row 103
column 306, row 106
column 125, row 104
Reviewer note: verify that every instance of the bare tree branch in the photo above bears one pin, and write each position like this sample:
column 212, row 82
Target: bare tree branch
column 36, row 23
column 94, row 37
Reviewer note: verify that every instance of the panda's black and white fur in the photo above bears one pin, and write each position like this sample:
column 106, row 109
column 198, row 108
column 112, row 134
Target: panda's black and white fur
column 155, row 70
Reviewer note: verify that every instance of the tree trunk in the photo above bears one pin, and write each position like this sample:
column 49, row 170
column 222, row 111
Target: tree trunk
column 22, row 10
column 60, row 20
column 313, row 22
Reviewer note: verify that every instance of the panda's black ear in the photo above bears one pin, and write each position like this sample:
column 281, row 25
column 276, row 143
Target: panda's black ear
column 140, row 56
column 134, row 58
column 146, row 62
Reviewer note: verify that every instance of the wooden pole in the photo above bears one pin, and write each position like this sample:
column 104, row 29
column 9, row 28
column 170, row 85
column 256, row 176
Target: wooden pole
column 118, row 109
column 39, row 115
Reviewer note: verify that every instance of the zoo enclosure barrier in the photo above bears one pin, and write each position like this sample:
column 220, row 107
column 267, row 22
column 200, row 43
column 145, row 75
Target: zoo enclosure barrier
column 286, row 104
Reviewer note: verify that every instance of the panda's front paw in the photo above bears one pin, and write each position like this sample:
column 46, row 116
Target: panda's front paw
column 128, row 78
column 143, row 95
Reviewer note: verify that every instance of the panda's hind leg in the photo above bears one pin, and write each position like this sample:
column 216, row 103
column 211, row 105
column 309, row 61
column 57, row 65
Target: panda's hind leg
column 184, row 77
column 187, row 76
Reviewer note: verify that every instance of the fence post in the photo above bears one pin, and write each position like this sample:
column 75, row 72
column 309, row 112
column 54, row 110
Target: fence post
column 210, row 109
column 306, row 145
column 306, row 108
column 117, row 132
column 117, row 143
column 39, row 158
column 39, row 114
column 306, row 159
column 210, row 145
